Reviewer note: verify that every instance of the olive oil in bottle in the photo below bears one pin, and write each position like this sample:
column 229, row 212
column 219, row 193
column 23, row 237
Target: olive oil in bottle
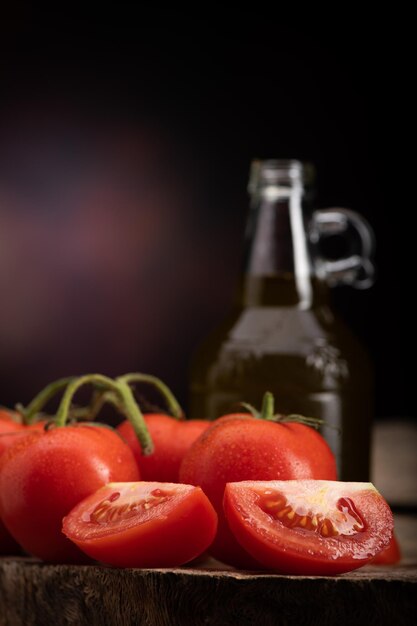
column 282, row 334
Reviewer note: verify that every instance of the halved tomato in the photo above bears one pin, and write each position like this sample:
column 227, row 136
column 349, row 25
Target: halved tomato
column 310, row 527
column 389, row 555
column 143, row 524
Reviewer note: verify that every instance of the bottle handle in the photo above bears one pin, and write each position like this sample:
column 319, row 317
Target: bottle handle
column 357, row 269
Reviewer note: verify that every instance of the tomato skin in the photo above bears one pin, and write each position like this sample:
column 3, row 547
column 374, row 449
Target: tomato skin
column 171, row 438
column 6, row 414
column 46, row 473
column 11, row 431
column 174, row 533
column 240, row 447
column 299, row 551
column 389, row 555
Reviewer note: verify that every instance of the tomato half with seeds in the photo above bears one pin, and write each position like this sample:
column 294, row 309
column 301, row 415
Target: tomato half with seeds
column 310, row 527
column 143, row 524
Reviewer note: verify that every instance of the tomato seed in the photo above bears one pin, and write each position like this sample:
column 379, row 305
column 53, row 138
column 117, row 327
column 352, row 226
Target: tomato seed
column 347, row 507
column 100, row 511
column 123, row 509
column 279, row 509
column 107, row 512
column 295, row 522
column 273, row 504
column 345, row 520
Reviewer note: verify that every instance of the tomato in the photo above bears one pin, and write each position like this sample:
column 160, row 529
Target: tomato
column 310, row 527
column 389, row 555
column 143, row 524
column 11, row 430
column 171, row 439
column 241, row 447
column 7, row 415
column 46, row 473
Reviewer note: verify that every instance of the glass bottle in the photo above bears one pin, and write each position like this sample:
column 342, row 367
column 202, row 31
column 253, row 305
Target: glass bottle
column 282, row 335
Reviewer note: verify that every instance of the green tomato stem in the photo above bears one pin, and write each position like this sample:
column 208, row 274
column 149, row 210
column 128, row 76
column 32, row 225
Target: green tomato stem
column 41, row 399
column 99, row 399
column 89, row 379
column 135, row 416
column 171, row 401
column 267, row 410
column 267, row 413
column 127, row 405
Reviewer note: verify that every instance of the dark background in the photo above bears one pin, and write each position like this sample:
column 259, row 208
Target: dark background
column 203, row 99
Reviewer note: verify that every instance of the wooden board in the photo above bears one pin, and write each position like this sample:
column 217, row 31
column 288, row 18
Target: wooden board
column 35, row 594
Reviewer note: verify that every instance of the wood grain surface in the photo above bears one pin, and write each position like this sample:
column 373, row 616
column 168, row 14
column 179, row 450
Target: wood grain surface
column 35, row 594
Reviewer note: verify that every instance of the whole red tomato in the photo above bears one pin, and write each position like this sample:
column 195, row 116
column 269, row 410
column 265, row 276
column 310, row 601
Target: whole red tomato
column 44, row 475
column 11, row 430
column 7, row 415
column 171, row 439
column 240, row 447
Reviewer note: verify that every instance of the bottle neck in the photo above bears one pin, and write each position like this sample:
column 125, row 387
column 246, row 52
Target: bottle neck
column 278, row 270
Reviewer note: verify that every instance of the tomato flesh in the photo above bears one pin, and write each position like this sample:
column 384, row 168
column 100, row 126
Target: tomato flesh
column 143, row 524
column 309, row 526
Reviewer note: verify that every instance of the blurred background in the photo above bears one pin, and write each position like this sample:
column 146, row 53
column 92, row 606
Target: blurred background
column 125, row 146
